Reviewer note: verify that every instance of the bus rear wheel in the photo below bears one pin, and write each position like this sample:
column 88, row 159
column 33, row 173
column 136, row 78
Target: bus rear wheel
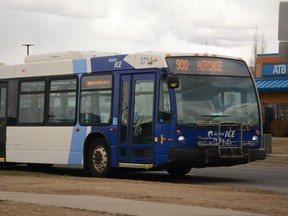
column 98, row 158
column 180, row 171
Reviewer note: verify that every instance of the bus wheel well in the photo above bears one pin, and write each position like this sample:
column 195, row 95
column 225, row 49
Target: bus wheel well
column 89, row 140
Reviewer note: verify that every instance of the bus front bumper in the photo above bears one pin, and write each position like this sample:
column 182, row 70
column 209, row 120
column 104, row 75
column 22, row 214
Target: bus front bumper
column 209, row 157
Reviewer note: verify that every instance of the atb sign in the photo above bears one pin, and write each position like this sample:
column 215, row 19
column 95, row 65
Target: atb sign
column 274, row 69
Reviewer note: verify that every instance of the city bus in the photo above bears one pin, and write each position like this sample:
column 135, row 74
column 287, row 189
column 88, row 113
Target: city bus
column 147, row 111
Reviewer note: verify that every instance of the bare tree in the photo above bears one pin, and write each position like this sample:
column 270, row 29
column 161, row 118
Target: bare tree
column 259, row 46
column 263, row 41
column 254, row 51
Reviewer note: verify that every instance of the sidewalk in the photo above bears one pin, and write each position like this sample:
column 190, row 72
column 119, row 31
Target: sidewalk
column 278, row 155
column 115, row 205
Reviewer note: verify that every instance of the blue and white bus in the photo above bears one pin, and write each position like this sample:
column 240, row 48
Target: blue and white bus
column 150, row 111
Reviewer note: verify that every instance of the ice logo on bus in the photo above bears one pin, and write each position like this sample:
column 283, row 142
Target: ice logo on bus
column 225, row 137
column 226, row 134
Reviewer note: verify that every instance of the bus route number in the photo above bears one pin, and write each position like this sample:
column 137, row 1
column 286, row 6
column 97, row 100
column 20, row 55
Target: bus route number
column 182, row 64
column 145, row 60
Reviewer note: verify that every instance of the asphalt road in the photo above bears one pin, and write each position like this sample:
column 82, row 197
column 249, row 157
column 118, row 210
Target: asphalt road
column 265, row 178
column 273, row 179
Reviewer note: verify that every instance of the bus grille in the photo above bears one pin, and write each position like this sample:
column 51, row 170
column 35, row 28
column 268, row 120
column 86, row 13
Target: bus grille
column 227, row 148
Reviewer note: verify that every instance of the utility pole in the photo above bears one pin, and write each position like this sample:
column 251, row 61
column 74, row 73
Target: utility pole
column 28, row 47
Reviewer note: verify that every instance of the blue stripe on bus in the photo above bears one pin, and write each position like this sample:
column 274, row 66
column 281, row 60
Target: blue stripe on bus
column 79, row 66
column 78, row 133
column 77, row 143
column 108, row 63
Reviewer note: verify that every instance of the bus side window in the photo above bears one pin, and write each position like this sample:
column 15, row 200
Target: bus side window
column 31, row 106
column 96, row 99
column 12, row 102
column 62, row 101
column 164, row 110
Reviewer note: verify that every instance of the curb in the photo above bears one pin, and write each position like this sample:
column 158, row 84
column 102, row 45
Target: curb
column 278, row 155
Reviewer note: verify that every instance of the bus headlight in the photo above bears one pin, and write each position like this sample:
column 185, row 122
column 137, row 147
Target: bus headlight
column 255, row 139
column 181, row 139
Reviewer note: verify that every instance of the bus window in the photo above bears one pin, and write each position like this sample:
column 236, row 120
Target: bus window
column 3, row 103
column 201, row 98
column 62, row 101
column 96, row 95
column 124, row 112
column 164, row 112
column 12, row 102
column 143, row 111
column 32, row 96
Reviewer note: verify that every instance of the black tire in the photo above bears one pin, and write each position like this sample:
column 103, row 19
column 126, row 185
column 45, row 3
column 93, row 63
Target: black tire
column 180, row 171
column 99, row 158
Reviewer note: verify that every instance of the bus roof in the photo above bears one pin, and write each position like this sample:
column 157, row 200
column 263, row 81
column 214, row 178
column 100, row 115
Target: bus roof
column 84, row 62
column 65, row 55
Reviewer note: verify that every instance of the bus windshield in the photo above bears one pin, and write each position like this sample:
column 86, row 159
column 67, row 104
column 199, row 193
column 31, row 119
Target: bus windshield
column 216, row 98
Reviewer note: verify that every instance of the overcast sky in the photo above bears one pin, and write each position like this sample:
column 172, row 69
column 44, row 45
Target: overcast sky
column 128, row 26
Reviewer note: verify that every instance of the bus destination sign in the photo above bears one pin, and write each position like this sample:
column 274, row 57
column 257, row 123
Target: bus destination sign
column 207, row 65
column 201, row 65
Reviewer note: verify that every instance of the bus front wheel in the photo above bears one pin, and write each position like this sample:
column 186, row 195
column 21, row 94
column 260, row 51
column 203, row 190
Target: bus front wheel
column 179, row 171
column 98, row 158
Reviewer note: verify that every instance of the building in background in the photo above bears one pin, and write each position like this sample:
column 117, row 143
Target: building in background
column 272, row 84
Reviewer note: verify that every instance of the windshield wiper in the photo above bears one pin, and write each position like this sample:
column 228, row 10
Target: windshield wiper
column 211, row 117
column 189, row 124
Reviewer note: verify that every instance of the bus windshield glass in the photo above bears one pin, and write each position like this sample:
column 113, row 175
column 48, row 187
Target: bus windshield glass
column 213, row 89
column 216, row 98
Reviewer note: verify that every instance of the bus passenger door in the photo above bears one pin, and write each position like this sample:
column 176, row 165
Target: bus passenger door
column 136, row 119
column 3, row 123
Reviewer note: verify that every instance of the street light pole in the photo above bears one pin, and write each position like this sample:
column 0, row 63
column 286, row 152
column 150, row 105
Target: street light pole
column 28, row 47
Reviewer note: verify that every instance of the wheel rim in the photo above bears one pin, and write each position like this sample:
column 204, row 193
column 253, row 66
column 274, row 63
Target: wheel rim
column 99, row 159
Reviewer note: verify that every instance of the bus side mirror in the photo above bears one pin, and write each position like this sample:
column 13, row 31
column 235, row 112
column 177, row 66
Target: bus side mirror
column 173, row 81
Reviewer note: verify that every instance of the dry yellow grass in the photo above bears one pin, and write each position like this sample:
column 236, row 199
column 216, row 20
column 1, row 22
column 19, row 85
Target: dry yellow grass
column 280, row 146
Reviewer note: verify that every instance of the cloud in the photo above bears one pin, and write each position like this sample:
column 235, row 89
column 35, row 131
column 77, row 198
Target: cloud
column 70, row 8
column 222, row 26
